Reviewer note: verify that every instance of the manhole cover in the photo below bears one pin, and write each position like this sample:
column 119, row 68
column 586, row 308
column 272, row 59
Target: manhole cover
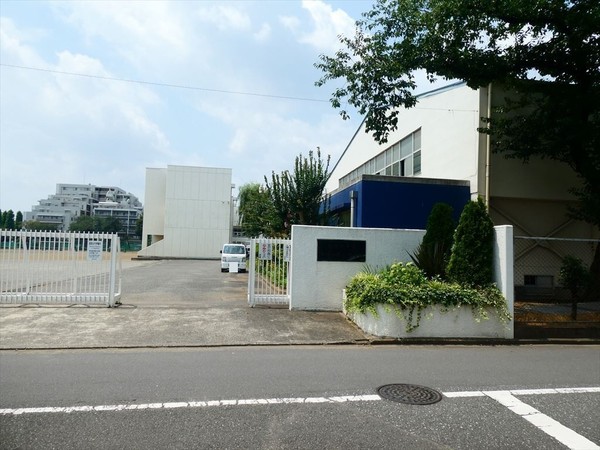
column 410, row 394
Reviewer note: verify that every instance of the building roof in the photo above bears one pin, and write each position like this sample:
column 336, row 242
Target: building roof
column 430, row 93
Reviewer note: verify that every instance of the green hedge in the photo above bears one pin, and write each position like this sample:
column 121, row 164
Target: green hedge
column 406, row 288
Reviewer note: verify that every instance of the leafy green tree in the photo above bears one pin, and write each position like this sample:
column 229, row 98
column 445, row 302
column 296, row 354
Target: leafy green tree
column 575, row 277
column 96, row 224
column 139, row 225
column 18, row 220
column 472, row 254
column 108, row 224
column 544, row 53
column 257, row 212
column 35, row 225
column 1, row 220
column 297, row 196
column 83, row 224
column 9, row 220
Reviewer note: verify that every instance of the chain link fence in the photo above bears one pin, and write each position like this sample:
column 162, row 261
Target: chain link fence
column 537, row 265
column 539, row 296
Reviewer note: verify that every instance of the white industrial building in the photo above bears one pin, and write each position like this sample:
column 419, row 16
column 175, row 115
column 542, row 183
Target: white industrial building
column 187, row 212
column 438, row 139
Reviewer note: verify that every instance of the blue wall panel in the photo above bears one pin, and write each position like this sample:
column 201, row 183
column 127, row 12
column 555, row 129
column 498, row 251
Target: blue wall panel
column 383, row 204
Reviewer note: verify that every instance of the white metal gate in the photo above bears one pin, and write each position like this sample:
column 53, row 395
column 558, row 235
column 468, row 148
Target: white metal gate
column 268, row 272
column 59, row 268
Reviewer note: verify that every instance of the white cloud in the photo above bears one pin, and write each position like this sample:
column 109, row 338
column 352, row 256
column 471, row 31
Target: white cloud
column 326, row 25
column 155, row 22
column 291, row 22
column 264, row 33
column 147, row 34
column 266, row 137
column 13, row 43
column 225, row 17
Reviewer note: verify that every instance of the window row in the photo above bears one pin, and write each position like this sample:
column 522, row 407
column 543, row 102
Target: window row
column 401, row 159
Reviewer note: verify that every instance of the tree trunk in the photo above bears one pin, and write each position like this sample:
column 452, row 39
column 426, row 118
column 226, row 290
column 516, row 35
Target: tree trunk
column 593, row 291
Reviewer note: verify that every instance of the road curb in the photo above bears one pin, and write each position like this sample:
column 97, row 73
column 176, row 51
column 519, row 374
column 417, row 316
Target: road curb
column 361, row 342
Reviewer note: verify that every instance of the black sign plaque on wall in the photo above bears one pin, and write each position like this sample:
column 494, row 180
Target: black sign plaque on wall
column 341, row 250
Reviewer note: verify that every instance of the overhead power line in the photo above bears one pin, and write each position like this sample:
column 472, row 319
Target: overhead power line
column 177, row 86
column 196, row 88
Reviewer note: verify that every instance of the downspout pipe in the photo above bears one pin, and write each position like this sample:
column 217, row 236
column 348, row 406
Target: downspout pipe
column 488, row 142
column 353, row 197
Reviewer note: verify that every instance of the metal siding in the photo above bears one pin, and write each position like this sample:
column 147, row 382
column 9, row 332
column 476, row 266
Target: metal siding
column 405, row 205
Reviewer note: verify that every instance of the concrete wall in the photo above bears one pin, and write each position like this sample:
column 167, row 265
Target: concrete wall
column 504, row 269
column 435, row 323
column 154, row 208
column 190, row 208
column 317, row 285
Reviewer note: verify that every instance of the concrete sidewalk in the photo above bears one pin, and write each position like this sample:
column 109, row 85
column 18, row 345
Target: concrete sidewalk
column 29, row 327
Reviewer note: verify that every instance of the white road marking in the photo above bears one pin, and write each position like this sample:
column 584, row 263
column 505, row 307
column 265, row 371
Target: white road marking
column 211, row 403
column 547, row 424
column 506, row 398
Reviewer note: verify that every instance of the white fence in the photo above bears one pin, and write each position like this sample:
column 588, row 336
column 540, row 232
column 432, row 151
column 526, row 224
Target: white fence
column 47, row 267
column 268, row 272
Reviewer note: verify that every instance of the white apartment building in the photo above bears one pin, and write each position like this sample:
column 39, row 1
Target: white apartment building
column 73, row 200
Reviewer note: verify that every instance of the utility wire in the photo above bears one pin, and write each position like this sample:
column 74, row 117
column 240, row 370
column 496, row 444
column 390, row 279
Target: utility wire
column 195, row 88
column 177, row 86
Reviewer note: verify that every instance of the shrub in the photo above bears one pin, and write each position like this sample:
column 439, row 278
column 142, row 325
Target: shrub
column 440, row 227
column 431, row 259
column 405, row 288
column 433, row 253
column 397, row 274
column 472, row 253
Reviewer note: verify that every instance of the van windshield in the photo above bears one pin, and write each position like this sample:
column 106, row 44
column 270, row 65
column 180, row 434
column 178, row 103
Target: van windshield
column 234, row 250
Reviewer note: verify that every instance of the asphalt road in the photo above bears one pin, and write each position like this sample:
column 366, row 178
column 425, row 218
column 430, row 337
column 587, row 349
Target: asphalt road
column 299, row 397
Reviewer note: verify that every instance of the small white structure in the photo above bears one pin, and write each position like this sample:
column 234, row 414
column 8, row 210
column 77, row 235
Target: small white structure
column 318, row 285
column 187, row 212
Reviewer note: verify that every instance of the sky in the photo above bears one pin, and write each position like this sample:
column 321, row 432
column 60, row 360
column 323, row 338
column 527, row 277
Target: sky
column 97, row 91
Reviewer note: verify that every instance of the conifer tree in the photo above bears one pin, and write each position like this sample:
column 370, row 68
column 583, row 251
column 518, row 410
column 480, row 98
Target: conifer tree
column 472, row 253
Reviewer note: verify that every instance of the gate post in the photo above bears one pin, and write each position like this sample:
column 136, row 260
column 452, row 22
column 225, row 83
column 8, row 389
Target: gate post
column 114, row 247
column 251, row 272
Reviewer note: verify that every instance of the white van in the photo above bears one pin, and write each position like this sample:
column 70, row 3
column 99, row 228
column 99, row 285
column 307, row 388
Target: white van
column 233, row 253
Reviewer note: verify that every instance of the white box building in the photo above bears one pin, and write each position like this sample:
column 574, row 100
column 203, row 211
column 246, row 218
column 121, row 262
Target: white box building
column 187, row 212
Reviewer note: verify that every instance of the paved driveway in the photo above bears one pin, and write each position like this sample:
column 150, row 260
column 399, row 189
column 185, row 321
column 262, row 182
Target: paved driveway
column 182, row 283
